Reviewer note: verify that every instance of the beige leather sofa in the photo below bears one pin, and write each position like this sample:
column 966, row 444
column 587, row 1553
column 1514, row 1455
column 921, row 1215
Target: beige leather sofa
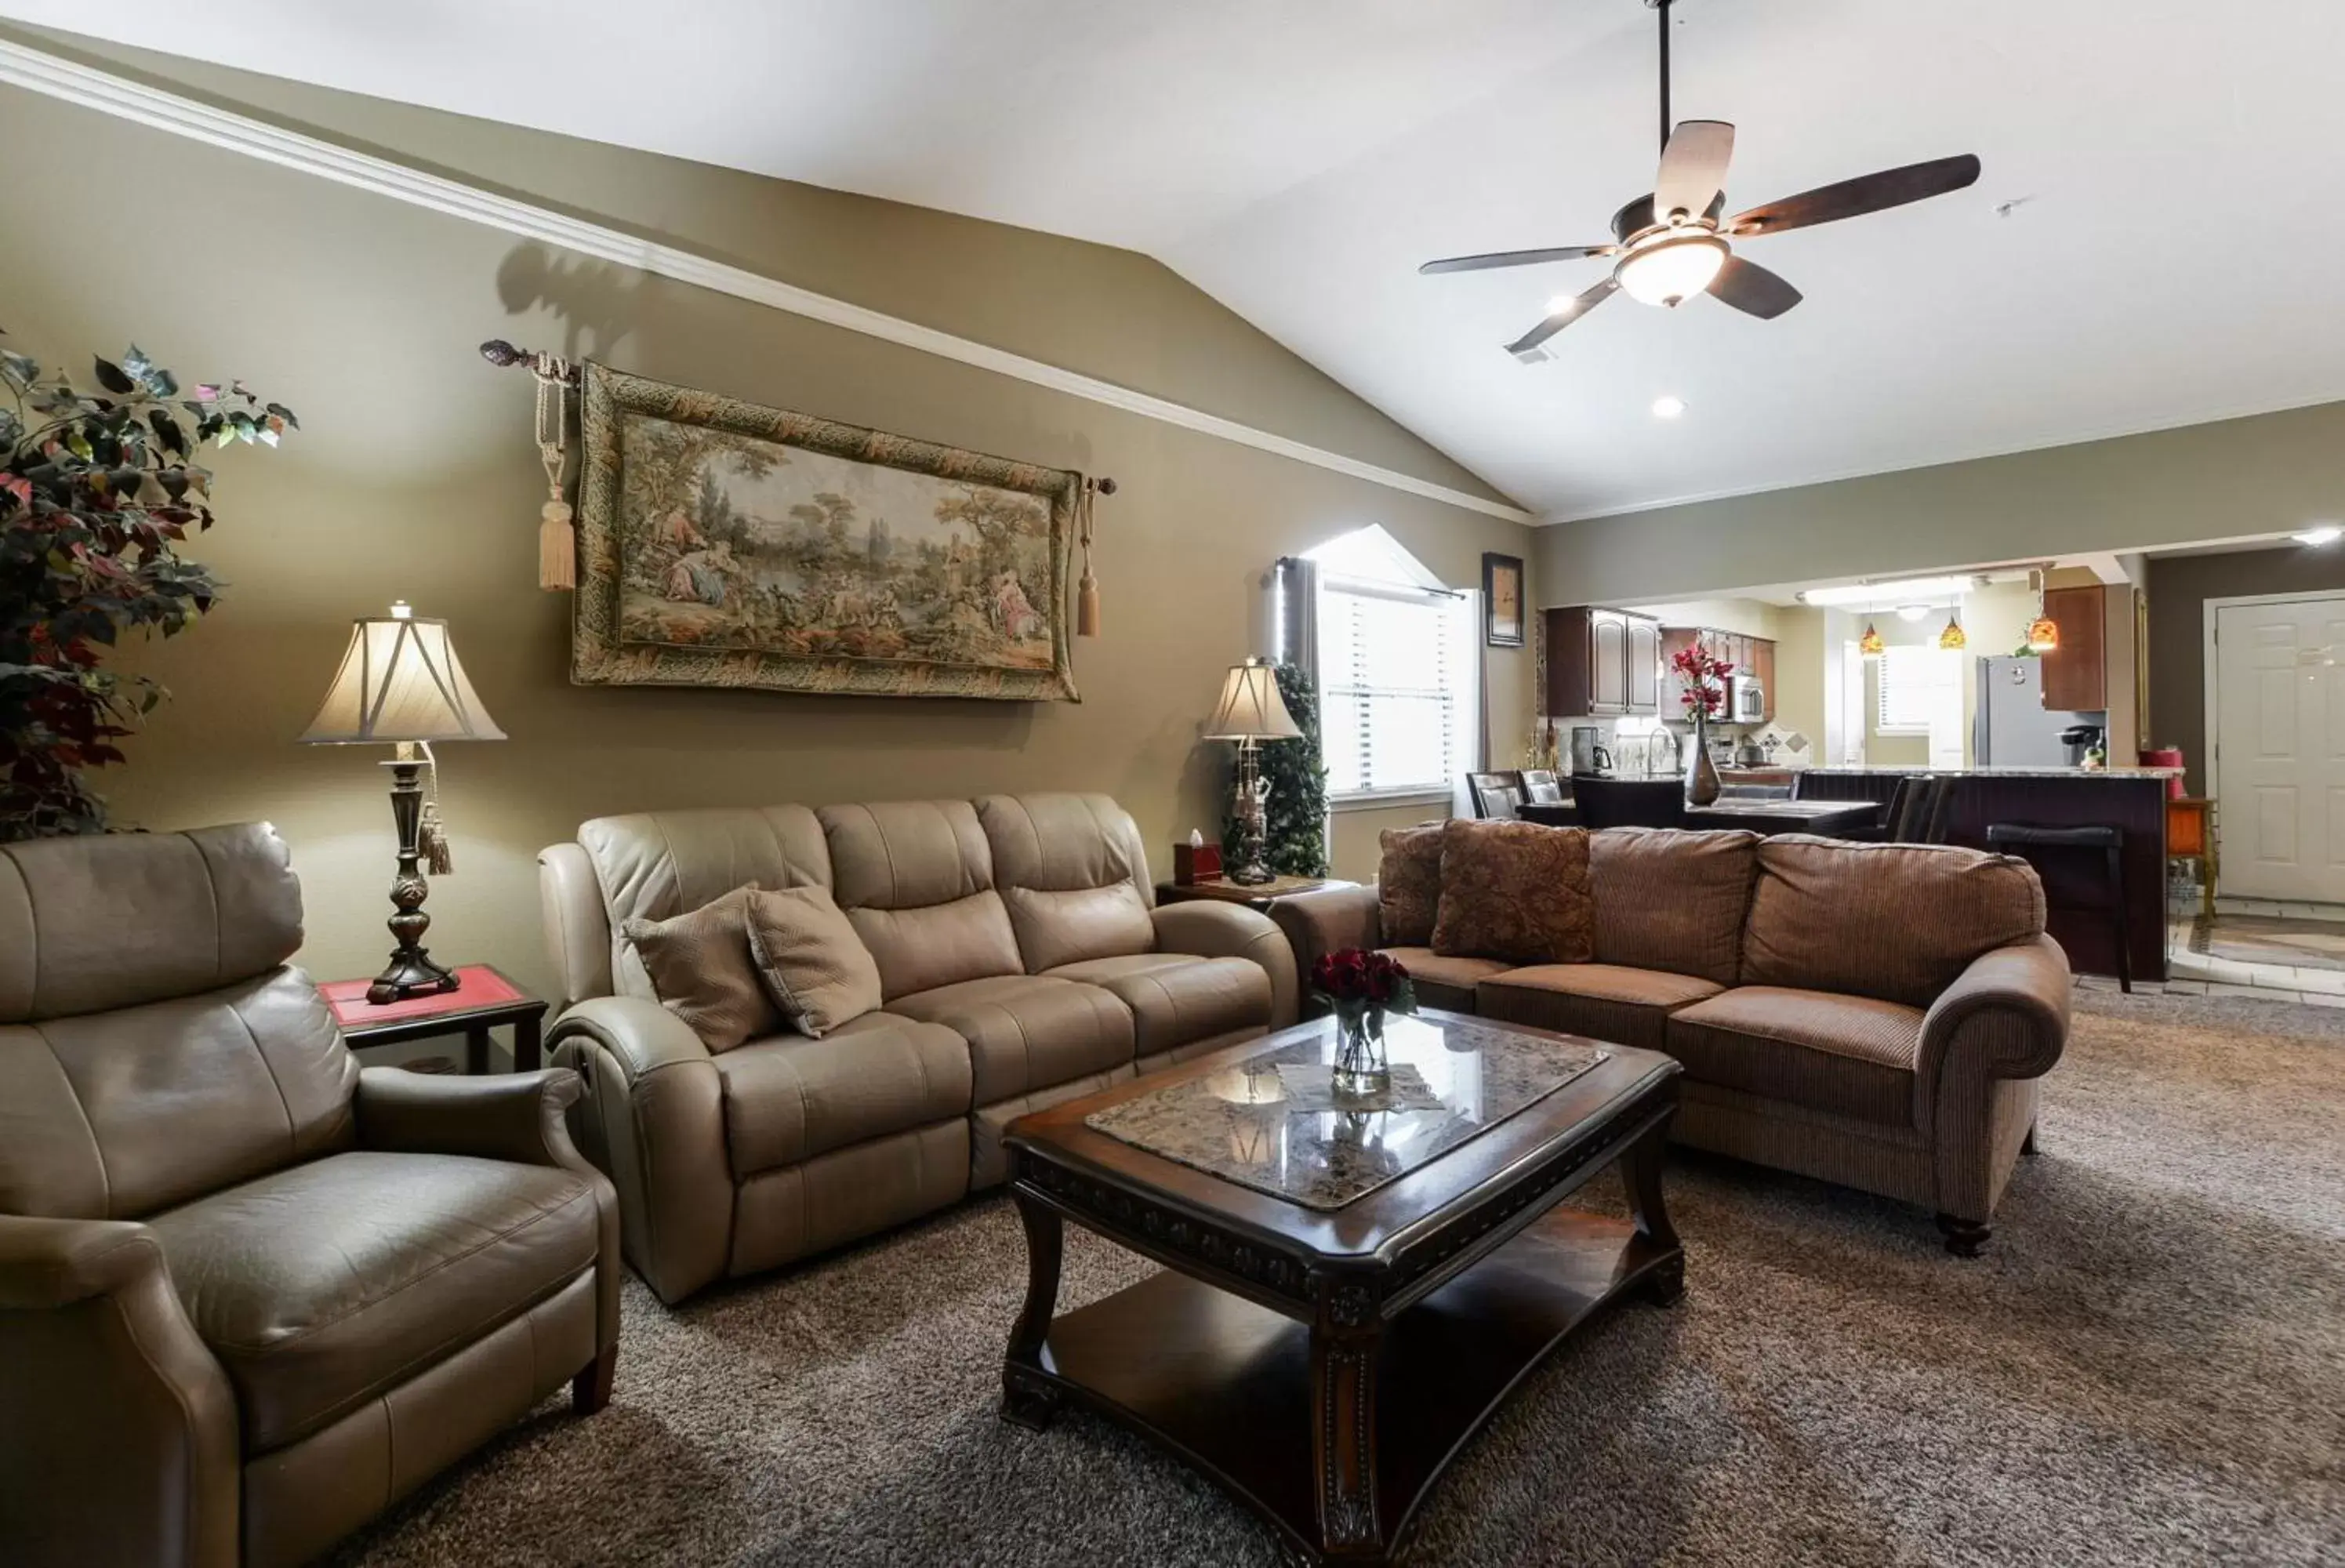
column 249, row 1294
column 1871, row 1014
column 1022, row 961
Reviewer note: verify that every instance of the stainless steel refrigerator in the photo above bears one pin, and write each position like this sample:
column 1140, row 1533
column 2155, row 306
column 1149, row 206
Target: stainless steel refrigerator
column 2011, row 728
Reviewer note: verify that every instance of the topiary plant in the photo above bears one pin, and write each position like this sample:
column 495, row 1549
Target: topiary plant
column 97, row 491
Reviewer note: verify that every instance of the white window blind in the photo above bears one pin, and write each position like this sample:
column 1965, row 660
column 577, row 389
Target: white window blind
column 1916, row 684
column 1396, row 692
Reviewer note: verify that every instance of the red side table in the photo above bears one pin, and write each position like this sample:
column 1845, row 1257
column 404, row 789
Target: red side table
column 485, row 999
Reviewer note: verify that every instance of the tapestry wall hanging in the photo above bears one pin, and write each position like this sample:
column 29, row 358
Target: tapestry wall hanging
column 724, row 544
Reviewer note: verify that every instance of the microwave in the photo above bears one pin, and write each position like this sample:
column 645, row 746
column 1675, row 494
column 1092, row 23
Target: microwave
column 1746, row 700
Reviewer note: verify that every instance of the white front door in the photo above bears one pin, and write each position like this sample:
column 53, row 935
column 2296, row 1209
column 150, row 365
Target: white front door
column 2280, row 749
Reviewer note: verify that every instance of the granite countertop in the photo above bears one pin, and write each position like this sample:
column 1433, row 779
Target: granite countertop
column 2012, row 772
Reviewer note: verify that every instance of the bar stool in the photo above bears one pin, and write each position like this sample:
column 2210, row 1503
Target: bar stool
column 2020, row 837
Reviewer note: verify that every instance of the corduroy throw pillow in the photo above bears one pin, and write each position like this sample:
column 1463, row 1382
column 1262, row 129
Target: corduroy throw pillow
column 700, row 969
column 1515, row 891
column 815, row 968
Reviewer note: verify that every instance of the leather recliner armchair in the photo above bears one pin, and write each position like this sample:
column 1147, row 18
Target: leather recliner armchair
column 249, row 1293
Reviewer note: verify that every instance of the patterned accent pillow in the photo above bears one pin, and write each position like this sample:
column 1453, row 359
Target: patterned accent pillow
column 700, row 970
column 1515, row 891
column 1408, row 884
column 815, row 968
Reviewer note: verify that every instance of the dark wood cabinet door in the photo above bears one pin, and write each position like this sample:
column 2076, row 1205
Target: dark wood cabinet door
column 2075, row 677
column 1607, row 687
column 1763, row 664
column 1644, row 665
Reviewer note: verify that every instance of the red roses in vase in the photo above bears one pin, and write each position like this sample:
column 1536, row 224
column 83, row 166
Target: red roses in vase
column 1355, row 981
column 1362, row 987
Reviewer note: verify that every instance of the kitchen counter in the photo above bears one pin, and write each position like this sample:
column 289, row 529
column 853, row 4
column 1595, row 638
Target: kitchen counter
column 2013, row 773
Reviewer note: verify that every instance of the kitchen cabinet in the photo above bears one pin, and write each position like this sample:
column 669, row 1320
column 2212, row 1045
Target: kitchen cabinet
column 1602, row 663
column 2076, row 674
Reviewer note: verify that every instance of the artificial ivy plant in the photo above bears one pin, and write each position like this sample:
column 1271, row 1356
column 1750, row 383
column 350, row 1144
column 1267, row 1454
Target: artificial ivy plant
column 1295, row 825
column 97, row 490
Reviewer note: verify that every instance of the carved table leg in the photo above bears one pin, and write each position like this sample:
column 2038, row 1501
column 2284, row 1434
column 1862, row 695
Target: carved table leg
column 1641, row 1173
column 1028, row 1397
column 1345, row 1345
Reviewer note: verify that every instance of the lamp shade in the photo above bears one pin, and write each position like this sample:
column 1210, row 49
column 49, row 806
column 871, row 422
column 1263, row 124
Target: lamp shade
column 1250, row 708
column 401, row 681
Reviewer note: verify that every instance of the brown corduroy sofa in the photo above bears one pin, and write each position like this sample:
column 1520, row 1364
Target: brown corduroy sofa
column 1871, row 1014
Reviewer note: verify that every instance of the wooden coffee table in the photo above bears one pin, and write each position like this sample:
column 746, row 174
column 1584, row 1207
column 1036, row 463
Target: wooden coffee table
column 1326, row 1362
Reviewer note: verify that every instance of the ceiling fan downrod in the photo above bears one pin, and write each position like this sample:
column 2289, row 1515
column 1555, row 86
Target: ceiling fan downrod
column 1662, row 6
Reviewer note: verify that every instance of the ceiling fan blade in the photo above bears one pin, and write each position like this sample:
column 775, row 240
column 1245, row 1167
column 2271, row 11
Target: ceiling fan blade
column 1580, row 305
column 1855, row 198
column 1752, row 290
column 1693, row 168
column 1516, row 258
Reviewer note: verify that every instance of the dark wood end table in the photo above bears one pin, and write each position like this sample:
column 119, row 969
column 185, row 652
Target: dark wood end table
column 1326, row 1364
column 487, row 998
column 1253, row 895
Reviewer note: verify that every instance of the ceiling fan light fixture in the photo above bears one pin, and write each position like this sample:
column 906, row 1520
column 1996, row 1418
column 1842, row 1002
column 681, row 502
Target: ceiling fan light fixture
column 1671, row 267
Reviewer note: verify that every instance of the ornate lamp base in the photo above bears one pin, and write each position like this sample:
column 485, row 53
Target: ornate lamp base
column 411, row 972
column 1253, row 803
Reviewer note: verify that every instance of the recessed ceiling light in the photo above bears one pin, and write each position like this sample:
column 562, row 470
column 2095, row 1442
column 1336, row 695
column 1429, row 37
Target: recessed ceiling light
column 1561, row 303
column 2327, row 533
column 1668, row 408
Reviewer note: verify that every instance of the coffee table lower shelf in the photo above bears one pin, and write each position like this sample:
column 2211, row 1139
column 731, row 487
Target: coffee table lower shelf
column 1226, row 1384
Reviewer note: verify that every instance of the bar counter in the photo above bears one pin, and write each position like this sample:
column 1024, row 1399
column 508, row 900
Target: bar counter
column 2130, row 798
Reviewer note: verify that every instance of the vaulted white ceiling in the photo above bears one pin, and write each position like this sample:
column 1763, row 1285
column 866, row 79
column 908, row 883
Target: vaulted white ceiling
column 2176, row 166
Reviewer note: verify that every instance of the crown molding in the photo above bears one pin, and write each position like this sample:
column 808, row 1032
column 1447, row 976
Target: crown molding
column 123, row 99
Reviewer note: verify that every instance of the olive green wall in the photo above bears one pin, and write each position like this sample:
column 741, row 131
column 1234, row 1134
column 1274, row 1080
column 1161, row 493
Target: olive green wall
column 2238, row 478
column 413, row 477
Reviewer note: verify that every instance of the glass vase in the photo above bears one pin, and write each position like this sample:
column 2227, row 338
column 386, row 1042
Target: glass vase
column 1361, row 1071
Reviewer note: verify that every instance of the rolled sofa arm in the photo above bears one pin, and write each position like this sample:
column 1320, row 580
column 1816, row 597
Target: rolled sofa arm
column 653, row 1119
column 2005, row 1017
column 122, row 1428
column 1328, row 921
column 1212, row 930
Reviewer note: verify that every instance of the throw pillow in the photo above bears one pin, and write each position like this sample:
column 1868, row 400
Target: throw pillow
column 1515, row 891
column 1409, row 885
column 700, row 970
column 815, row 968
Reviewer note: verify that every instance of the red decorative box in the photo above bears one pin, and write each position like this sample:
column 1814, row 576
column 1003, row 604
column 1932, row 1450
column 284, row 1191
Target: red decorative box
column 1196, row 862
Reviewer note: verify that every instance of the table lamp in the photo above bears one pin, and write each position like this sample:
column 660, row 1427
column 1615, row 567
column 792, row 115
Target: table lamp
column 400, row 683
column 1251, row 713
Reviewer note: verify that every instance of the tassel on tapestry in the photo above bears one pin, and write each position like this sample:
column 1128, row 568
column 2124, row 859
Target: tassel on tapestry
column 1087, row 594
column 557, row 540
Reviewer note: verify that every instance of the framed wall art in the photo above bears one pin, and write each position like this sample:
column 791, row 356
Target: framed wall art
column 724, row 544
column 1502, row 600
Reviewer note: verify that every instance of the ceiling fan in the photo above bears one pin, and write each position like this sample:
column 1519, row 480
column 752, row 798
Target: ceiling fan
column 1673, row 243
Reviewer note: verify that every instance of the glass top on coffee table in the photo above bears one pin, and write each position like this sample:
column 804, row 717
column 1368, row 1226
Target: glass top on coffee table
column 1272, row 1121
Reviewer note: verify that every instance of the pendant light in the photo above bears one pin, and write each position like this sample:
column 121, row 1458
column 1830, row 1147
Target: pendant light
column 1953, row 638
column 1870, row 645
column 2043, row 633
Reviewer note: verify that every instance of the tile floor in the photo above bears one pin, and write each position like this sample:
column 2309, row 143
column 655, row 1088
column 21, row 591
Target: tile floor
column 2196, row 973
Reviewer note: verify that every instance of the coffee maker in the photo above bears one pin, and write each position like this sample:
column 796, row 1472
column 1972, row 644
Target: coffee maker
column 1589, row 754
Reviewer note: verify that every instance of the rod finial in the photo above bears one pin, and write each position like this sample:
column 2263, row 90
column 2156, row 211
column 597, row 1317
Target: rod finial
column 503, row 355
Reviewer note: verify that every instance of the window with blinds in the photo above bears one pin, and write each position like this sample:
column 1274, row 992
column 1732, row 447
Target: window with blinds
column 1916, row 684
column 1397, row 693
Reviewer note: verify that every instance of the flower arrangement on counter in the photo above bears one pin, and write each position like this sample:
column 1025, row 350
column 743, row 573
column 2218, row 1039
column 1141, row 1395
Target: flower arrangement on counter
column 1704, row 675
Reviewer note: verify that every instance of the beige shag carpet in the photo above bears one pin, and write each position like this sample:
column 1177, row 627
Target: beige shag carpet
column 2147, row 1367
